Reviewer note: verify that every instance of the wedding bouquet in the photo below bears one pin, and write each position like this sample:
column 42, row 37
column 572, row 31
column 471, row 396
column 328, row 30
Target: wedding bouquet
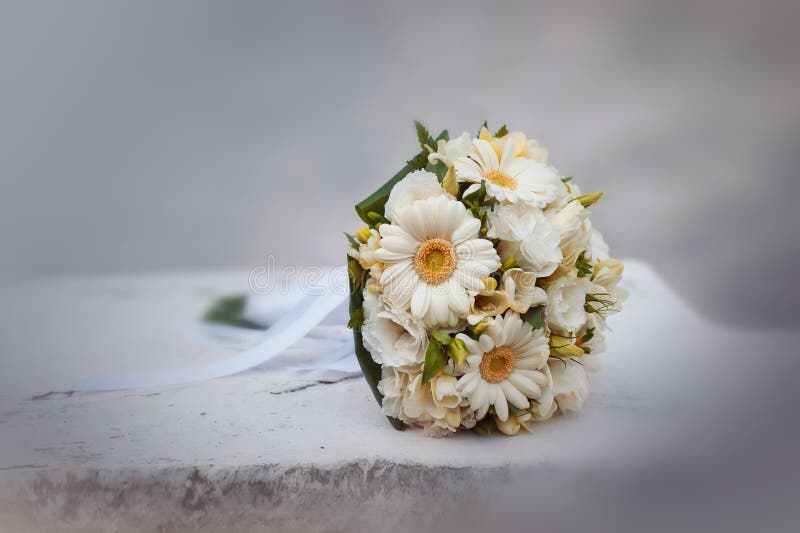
column 479, row 288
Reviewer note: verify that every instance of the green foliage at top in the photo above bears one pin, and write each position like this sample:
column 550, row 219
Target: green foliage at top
column 376, row 201
column 502, row 131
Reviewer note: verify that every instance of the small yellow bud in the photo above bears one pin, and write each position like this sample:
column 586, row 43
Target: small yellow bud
column 511, row 425
column 363, row 234
column 489, row 283
column 479, row 328
column 457, row 351
column 449, row 182
column 563, row 347
column 588, row 199
column 509, row 263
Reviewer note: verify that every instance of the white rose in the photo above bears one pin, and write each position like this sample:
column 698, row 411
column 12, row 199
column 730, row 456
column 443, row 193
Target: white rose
column 393, row 337
column 392, row 384
column 565, row 300
column 605, row 277
column 570, row 384
column 598, row 249
column 417, row 185
column 546, row 406
column 527, row 235
column 522, row 290
column 569, row 223
column 434, row 405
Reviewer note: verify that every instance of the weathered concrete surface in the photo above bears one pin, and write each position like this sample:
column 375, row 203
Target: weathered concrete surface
column 231, row 454
column 379, row 496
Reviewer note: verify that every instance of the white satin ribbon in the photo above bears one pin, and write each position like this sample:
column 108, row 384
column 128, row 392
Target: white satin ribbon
column 286, row 332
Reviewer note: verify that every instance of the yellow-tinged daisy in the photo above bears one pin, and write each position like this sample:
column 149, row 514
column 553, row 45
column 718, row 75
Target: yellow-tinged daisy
column 507, row 177
column 434, row 260
column 505, row 365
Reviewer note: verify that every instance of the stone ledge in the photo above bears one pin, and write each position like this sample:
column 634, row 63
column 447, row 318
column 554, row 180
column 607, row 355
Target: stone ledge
column 229, row 454
column 363, row 495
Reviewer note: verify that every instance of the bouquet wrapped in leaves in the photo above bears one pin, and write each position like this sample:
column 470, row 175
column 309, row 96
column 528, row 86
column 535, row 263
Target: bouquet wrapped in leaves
column 479, row 288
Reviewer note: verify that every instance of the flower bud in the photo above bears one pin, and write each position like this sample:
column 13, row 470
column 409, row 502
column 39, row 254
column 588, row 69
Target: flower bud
column 511, row 262
column 563, row 347
column 457, row 351
column 588, row 199
column 480, row 327
column 510, row 427
column 449, row 182
column 363, row 234
column 489, row 283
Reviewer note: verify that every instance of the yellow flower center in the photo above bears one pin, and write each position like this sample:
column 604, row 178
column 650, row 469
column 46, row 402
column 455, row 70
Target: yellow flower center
column 497, row 364
column 498, row 177
column 435, row 261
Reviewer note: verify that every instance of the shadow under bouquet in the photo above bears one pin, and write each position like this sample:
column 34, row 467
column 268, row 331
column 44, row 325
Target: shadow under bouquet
column 479, row 288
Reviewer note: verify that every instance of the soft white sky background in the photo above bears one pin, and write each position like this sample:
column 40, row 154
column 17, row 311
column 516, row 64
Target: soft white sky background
column 193, row 135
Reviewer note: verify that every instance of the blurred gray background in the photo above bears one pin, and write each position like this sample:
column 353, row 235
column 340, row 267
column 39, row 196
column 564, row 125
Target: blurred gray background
column 171, row 136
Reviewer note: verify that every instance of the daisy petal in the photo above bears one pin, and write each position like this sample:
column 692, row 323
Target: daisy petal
column 420, row 300
column 500, row 404
column 514, row 396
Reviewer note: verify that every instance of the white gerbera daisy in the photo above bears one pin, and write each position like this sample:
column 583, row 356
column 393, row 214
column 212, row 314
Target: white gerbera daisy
column 504, row 366
column 434, row 260
column 507, row 177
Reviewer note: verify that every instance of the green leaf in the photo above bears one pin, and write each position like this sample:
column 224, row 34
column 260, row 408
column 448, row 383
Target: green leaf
column 584, row 267
column 484, row 125
column 502, row 131
column 566, row 179
column 485, row 426
column 442, row 337
column 355, row 273
column 474, row 199
column 356, row 320
column 228, row 311
column 438, row 168
column 352, row 240
column 422, row 134
column 435, row 360
column 377, row 200
column 419, row 161
column 588, row 335
column 535, row 316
